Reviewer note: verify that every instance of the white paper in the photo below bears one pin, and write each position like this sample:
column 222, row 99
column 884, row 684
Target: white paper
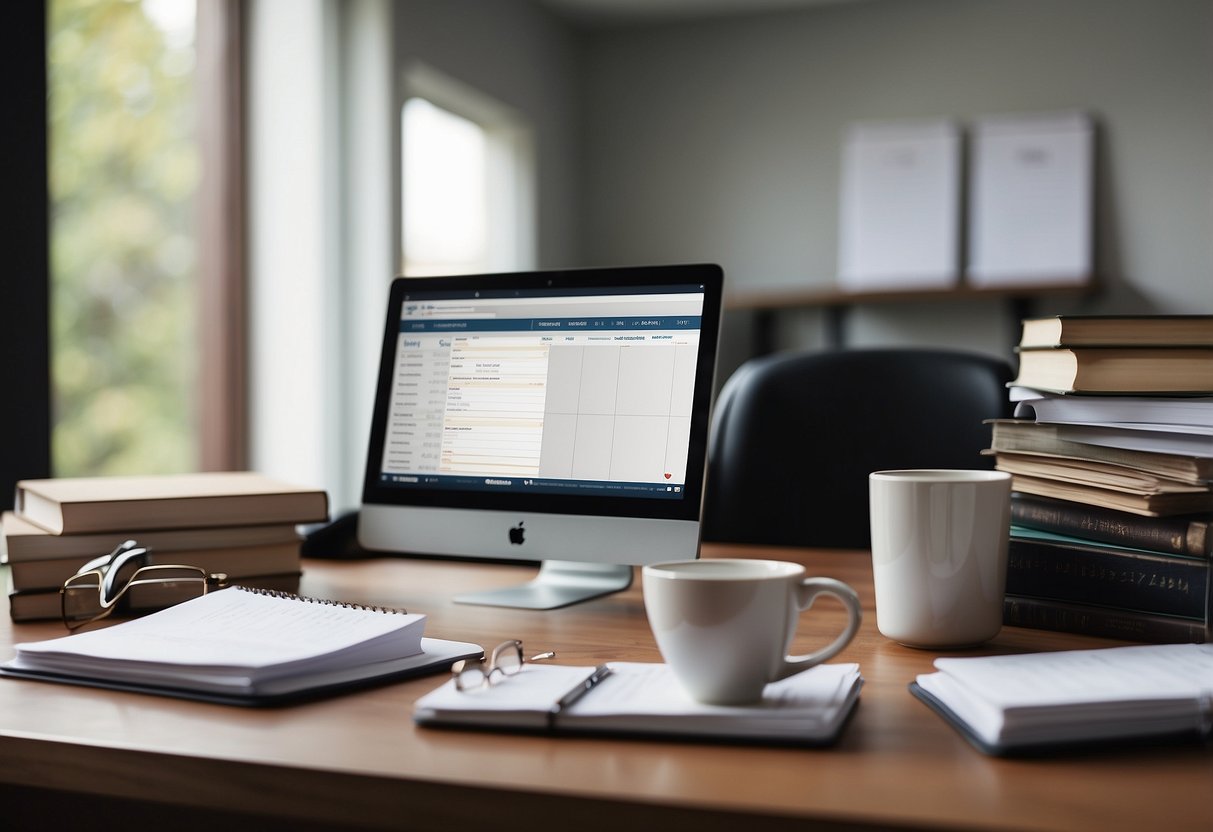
column 900, row 207
column 1072, row 677
column 247, row 634
column 1030, row 201
column 652, row 689
column 1151, row 441
column 1173, row 415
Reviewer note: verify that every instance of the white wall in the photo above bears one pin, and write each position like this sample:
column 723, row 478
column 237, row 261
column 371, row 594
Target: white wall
column 519, row 54
column 720, row 140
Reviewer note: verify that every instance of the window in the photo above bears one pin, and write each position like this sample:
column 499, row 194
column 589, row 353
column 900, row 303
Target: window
column 445, row 192
column 466, row 181
column 124, row 170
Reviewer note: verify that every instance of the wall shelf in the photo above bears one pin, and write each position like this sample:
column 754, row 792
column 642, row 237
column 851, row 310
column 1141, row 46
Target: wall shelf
column 834, row 303
column 776, row 299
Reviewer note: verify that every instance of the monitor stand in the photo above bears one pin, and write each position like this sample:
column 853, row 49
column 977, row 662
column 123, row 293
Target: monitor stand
column 558, row 584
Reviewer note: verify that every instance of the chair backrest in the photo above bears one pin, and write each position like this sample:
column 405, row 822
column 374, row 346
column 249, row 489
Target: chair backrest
column 795, row 436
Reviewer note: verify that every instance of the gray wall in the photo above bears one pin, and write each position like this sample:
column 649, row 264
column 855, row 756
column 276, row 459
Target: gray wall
column 521, row 55
column 720, row 140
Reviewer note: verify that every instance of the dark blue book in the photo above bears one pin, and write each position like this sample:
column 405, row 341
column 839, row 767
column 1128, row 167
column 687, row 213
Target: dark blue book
column 1073, row 570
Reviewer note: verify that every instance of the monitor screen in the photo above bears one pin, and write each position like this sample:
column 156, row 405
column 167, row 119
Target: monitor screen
column 544, row 415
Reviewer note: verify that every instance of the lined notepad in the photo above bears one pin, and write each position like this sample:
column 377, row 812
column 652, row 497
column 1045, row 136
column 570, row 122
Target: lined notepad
column 1048, row 699
column 243, row 643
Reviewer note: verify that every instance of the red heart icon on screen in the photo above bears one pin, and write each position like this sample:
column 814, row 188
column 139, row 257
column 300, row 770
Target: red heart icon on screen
column 667, row 476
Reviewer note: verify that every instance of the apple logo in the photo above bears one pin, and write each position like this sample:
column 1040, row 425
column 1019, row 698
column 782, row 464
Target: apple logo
column 517, row 534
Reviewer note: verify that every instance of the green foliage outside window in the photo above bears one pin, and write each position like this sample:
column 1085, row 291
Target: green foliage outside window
column 124, row 168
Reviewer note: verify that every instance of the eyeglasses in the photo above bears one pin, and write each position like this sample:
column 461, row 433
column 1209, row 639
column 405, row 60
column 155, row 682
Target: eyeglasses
column 127, row 581
column 505, row 660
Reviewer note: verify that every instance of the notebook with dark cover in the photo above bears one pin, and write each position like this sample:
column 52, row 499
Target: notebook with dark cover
column 644, row 699
column 1028, row 704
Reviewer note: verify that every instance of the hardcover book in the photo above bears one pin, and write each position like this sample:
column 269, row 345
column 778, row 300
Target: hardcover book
column 1118, row 331
column 1041, row 565
column 1117, row 370
column 237, row 562
column 118, row 504
column 21, row 540
column 1187, row 534
column 1103, row 622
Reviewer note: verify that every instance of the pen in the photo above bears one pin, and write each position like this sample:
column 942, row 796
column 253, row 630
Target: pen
column 600, row 673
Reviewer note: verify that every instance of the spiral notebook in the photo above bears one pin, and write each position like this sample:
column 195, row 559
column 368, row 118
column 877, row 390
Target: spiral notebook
column 244, row 646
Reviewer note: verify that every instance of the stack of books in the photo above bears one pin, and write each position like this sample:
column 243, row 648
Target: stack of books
column 242, row 524
column 1111, row 454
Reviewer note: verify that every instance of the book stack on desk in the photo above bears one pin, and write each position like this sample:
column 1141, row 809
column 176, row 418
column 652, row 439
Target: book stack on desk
column 1112, row 467
column 242, row 524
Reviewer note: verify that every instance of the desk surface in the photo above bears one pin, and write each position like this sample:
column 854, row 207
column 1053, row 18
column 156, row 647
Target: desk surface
column 360, row 759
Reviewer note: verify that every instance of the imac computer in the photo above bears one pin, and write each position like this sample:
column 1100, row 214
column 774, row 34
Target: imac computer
column 555, row 416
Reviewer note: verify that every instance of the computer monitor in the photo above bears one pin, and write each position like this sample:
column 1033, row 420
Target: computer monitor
column 555, row 416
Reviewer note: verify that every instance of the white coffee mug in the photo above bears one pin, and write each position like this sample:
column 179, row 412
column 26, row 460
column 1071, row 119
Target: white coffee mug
column 724, row 626
column 939, row 554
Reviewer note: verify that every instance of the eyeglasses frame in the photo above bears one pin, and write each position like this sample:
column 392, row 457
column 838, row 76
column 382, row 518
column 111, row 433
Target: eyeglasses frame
column 103, row 571
column 490, row 665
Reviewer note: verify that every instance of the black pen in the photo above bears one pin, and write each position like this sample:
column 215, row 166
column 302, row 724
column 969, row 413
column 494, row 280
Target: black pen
column 600, row 673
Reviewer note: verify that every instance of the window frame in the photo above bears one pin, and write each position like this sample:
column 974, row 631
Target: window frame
column 222, row 386
column 25, row 312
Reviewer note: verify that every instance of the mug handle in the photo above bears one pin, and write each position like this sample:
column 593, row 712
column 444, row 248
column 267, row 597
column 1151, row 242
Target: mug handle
column 806, row 593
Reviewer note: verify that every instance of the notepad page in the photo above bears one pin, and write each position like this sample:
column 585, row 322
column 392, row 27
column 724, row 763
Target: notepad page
column 233, row 629
column 1114, row 674
column 652, row 690
column 1079, row 695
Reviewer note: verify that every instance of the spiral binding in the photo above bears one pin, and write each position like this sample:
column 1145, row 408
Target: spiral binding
column 307, row 599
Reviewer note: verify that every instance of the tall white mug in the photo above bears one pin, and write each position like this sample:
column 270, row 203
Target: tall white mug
column 939, row 554
column 724, row 626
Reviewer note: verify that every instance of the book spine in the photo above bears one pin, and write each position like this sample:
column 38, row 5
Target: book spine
column 1170, row 535
column 1149, row 583
column 1103, row 622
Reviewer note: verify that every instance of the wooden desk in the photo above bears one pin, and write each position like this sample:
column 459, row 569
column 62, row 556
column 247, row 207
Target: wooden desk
column 358, row 760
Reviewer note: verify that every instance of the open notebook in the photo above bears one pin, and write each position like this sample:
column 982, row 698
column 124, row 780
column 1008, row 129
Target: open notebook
column 244, row 646
column 809, row 708
column 1039, row 701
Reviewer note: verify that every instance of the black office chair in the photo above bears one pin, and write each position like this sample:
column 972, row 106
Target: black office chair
column 795, row 436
